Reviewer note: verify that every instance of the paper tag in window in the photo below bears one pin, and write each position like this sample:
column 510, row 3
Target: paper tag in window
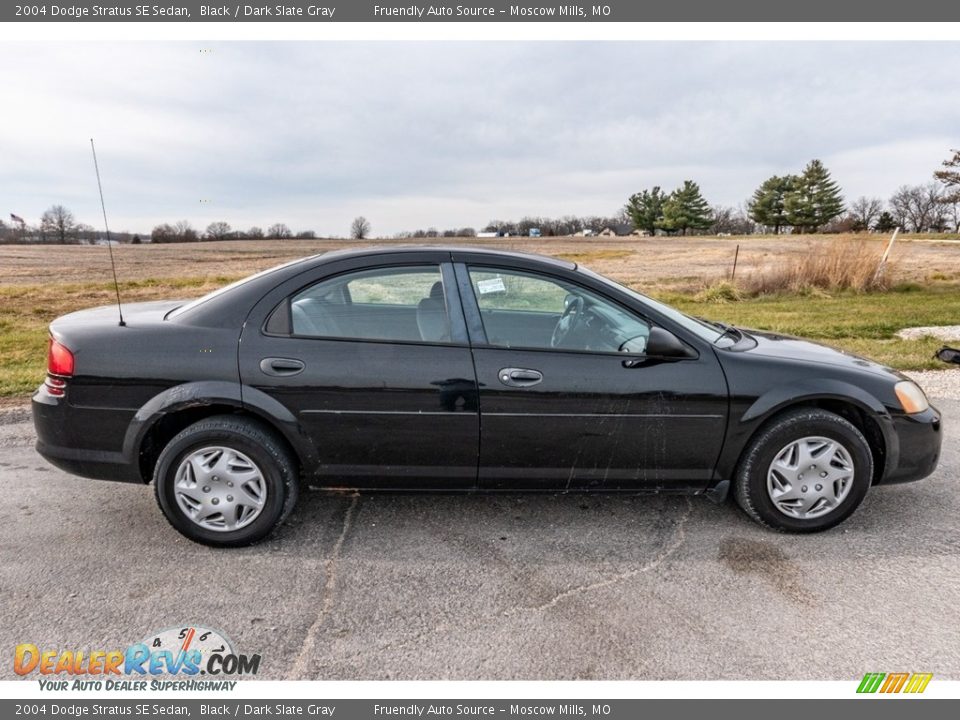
column 493, row 285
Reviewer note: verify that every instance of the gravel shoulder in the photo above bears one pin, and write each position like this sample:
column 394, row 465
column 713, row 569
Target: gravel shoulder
column 937, row 384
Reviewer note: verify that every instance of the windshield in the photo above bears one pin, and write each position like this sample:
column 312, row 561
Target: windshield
column 181, row 309
column 701, row 329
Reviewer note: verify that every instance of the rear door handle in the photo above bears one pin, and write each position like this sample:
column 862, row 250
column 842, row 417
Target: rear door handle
column 520, row 377
column 281, row 367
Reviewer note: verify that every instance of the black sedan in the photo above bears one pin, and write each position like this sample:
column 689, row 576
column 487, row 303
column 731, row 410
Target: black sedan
column 457, row 369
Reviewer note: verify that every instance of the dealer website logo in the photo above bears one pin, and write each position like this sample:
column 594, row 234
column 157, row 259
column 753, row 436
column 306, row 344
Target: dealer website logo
column 894, row 682
column 186, row 651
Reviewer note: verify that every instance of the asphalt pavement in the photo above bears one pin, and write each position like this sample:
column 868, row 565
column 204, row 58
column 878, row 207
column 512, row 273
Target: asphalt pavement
column 494, row 587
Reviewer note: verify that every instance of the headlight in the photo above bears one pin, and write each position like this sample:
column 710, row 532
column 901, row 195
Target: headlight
column 911, row 397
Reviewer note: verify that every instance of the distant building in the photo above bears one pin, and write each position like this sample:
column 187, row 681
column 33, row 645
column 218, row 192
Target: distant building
column 486, row 234
column 618, row 230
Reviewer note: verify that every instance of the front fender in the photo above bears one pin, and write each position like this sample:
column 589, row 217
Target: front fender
column 796, row 394
column 785, row 395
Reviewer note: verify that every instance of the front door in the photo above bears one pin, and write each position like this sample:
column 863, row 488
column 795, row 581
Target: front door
column 568, row 399
column 377, row 370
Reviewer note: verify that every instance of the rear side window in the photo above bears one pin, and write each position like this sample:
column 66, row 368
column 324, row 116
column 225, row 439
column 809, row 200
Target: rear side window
column 405, row 304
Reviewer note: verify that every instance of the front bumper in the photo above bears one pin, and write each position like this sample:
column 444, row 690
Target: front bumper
column 919, row 438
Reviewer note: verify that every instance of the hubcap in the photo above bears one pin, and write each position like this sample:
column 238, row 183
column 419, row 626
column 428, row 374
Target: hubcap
column 810, row 477
column 220, row 488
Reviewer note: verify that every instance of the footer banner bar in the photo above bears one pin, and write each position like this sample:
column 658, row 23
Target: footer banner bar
column 407, row 709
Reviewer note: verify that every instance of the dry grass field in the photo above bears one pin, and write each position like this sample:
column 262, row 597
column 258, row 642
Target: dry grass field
column 38, row 283
column 669, row 262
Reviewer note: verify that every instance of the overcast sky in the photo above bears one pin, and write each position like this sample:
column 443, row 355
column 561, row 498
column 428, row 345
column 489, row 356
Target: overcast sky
column 450, row 135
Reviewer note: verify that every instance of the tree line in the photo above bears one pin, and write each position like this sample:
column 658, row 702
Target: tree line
column 810, row 201
column 560, row 227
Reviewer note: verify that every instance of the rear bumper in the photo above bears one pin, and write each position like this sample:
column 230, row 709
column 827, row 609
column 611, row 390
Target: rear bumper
column 60, row 442
column 919, row 437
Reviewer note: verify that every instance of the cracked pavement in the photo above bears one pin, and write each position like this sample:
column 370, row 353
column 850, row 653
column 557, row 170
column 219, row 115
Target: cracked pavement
column 493, row 587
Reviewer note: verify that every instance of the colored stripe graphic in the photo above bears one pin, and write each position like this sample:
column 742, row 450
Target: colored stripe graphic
column 870, row 682
column 894, row 682
column 918, row 682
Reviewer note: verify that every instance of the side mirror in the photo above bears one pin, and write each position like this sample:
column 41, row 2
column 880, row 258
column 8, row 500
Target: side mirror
column 659, row 345
column 948, row 355
column 663, row 343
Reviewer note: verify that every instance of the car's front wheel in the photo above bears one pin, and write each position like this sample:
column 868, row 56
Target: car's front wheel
column 805, row 472
column 225, row 481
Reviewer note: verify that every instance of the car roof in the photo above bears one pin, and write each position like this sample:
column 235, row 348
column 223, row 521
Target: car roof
column 454, row 250
column 228, row 306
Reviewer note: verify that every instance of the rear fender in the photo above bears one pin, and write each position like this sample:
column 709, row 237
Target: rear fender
column 217, row 393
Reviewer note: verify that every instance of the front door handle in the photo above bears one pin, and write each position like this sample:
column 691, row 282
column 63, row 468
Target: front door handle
column 281, row 367
column 520, row 377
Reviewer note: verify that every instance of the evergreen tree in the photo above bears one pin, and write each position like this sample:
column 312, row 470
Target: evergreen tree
column 645, row 209
column 768, row 204
column 685, row 209
column 815, row 200
column 885, row 223
column 951, row 178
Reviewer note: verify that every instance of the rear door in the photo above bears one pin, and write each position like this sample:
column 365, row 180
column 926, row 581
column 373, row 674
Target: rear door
column 562, row 407
column 374, row 363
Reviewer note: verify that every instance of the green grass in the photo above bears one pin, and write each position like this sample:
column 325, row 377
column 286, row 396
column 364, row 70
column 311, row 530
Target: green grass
column 861, row 323
column 26, row 311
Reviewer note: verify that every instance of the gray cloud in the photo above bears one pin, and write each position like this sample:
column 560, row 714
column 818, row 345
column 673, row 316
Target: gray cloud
column 452, row 134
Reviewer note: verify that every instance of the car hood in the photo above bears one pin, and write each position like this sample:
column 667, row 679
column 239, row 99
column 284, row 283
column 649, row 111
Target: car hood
column 787, row 347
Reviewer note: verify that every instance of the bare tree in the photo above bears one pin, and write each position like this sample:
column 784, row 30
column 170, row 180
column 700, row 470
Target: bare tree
column 279, row 231
column 306, row 235
column 952, row 215
column 163, row 233
column 865, row 212
column 59, row 223
column 730, row 221
column 218, row 230
column 919, row 208
column 185, row 232
column 360, row 228
column 254, row 233
column 85, row 233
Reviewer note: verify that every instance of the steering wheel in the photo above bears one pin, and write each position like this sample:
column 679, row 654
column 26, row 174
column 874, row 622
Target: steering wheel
column 569, row 321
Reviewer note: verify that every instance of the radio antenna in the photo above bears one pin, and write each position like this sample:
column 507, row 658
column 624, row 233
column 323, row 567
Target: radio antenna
column 113, row 265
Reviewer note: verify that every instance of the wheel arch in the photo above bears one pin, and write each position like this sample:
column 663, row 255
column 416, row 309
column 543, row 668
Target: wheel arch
column 166, row 414
column 848, row 401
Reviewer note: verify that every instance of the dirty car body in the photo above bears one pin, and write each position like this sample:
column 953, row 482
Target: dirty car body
column 457, row 369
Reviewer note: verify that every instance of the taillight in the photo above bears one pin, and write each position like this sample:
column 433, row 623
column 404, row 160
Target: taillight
column 59, row 367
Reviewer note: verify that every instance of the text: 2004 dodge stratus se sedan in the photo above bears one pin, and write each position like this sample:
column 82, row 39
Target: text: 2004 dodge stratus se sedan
column 471, row 370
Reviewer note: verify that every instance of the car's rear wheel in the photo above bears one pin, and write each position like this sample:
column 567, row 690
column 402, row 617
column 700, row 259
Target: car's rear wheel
column 225, row 481
column 805, row 472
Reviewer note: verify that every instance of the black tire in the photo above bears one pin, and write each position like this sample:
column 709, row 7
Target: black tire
column 260, row 445
column 750, row 481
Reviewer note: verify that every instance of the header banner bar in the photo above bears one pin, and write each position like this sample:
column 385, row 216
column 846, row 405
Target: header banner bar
column 193, row 11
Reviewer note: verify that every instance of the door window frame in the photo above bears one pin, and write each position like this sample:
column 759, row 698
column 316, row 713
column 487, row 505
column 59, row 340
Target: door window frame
column 478, row 335
column 459, row 336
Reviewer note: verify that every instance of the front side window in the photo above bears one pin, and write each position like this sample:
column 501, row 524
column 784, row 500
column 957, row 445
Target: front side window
column 400, row 303
column 529, row 310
